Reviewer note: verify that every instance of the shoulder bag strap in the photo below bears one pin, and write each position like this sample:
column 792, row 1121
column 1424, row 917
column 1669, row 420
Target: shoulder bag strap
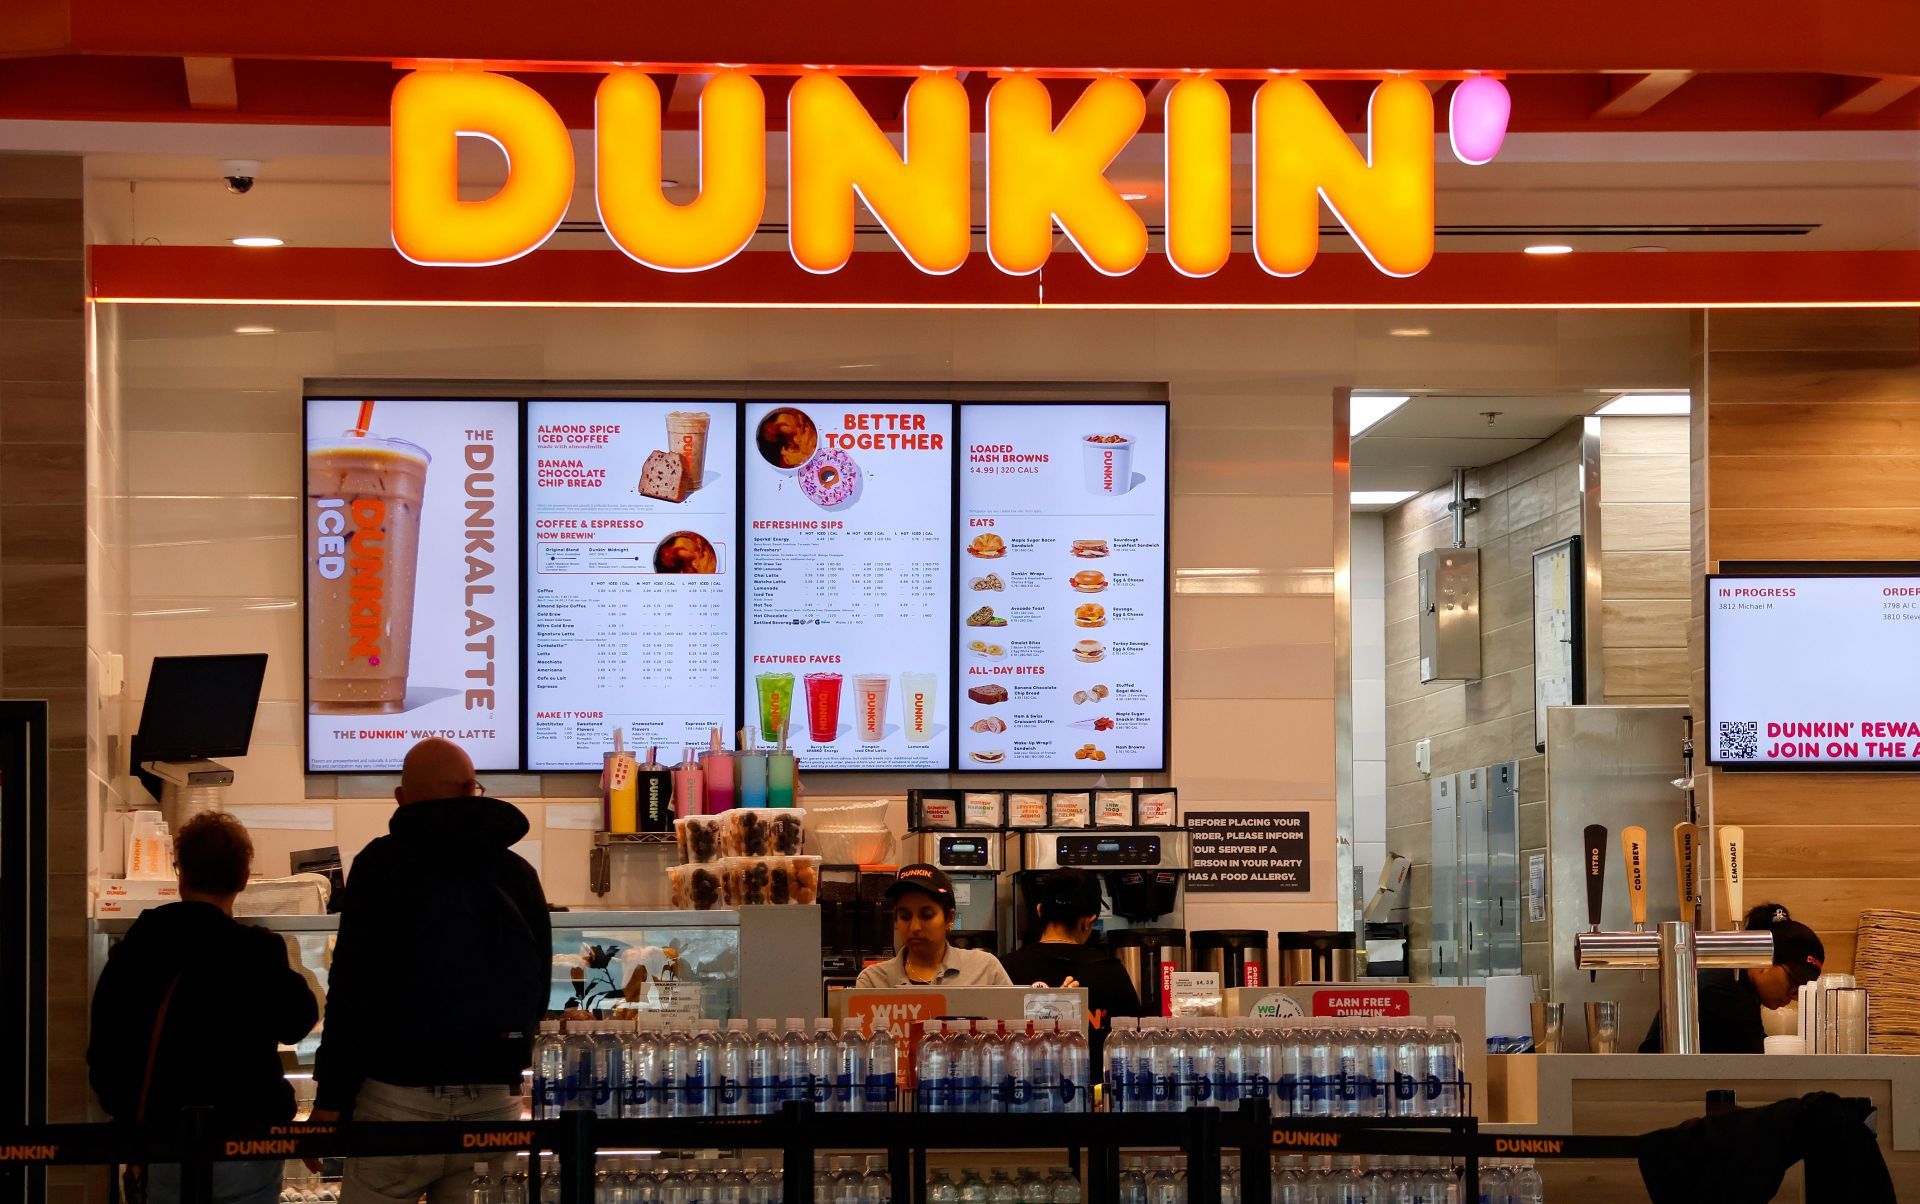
column 153, row 1049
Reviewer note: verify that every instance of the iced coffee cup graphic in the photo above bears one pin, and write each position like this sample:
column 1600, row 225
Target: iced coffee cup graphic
column 687, row 434
column 363, row 519
column 1109, row 463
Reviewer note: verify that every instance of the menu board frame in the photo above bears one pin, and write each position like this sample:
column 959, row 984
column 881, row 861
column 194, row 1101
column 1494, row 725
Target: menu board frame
column 520, row 395
column 391, row 397
column 1166, row 600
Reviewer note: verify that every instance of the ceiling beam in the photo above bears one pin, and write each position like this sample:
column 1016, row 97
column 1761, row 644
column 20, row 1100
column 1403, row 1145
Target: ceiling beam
column 1864, row 97
column 1635, row 94
column 210, row 83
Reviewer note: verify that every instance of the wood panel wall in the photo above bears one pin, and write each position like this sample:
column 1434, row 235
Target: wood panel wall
column 1808, row 448
column 1645, row 561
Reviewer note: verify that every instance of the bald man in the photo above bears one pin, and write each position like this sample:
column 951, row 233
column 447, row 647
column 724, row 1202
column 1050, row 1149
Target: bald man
column 439, row 975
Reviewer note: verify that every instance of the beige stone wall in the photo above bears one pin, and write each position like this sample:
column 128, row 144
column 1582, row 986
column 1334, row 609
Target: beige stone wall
column 1645, row 552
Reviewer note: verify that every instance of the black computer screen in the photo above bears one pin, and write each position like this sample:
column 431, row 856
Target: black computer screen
column 200, row 706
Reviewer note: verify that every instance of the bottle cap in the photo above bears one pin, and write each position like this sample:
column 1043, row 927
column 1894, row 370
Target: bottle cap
column 763, row 1026
column 1443, row 1022
column 709, row 1026
column 736, row 1026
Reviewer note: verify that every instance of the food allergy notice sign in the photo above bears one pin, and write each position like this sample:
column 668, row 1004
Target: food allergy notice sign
column 1248, row 851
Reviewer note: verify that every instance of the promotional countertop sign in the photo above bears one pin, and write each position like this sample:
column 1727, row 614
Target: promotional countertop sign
column 1063, row 587
column 848, row 572
column 412, row 580
column 630, row 577
column 1813, row 672
column 1043, row 169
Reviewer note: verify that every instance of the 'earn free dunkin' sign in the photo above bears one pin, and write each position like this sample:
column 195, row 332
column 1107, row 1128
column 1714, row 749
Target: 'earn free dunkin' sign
column 1044, row 170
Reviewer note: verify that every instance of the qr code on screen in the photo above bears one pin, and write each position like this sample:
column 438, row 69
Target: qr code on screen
column 1739, row 739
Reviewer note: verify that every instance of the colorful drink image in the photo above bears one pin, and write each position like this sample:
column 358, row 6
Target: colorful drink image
column 363, row 509
column 776, row 704
column 622, row 777
column 917, row 702
column 823, row 706
column 687, row 434
column 1109, row 464
column 870, row 706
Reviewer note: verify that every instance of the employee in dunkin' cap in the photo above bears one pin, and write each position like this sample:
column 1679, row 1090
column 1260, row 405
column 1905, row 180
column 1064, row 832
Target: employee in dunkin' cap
column 923, row 905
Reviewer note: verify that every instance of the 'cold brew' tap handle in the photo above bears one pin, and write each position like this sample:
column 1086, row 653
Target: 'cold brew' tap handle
column 1633, row 849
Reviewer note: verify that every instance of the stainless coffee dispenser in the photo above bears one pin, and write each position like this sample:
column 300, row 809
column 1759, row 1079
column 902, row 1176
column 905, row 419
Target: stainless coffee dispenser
column 1142, row 872
column 977, row 863
column 1314, row 957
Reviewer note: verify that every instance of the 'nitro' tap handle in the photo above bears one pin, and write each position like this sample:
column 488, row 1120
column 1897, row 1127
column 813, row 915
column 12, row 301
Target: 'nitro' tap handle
column 1596, row 872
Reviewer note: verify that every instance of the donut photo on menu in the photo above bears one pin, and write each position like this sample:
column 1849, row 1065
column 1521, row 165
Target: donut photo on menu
column 786, row 438
column 830, row 480
column 685, row 552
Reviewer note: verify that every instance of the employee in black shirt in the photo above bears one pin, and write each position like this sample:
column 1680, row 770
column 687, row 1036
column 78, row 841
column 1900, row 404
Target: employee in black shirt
column 1730, row 1000
column 1069, row 904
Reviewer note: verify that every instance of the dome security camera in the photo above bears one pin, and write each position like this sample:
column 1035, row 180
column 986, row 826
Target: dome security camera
column 239, row 174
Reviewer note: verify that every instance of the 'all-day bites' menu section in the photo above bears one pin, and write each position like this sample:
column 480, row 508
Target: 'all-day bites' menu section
column 849, row 519
column 1063, row 587
column 630, row 579
column 412, row 553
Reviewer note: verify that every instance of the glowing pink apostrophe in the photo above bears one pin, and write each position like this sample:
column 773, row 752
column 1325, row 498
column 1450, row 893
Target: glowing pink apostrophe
column 1477, row 118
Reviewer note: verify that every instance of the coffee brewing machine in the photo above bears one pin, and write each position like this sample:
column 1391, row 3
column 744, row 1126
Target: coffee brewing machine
column 978, row 863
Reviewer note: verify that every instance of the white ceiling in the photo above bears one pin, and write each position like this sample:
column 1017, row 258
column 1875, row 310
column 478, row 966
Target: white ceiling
column 1419, row 445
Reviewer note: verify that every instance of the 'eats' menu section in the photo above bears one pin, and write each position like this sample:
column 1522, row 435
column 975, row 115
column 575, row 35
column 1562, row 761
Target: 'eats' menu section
column 848, row 538
column 1063, row 587
column 631, row 581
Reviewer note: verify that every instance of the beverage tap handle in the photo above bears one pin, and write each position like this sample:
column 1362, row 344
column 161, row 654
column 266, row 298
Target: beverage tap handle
column 1733, row 867
column 1686, row 881
column 1633, row 848
column 1595, row 872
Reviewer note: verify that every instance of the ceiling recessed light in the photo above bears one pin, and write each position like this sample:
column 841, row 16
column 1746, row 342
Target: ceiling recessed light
column 1410, row 332
column 1549, row 248
column 1381, row 497
column 258, row 240
column 253, row 330
column 1645, row 404
column 1366, row 410
column 1133, row 196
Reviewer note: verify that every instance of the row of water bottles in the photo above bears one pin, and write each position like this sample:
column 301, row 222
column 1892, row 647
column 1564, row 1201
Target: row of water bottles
column 1023, row 1186
column 993, row 1066
column 1318, row 1067
column 647, row 1070
column 705, row 1180
column 1163, row 1180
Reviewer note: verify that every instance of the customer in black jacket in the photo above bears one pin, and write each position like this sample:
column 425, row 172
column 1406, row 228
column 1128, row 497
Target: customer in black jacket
column 1069, row 904
column 229, row 998
column 439, row 975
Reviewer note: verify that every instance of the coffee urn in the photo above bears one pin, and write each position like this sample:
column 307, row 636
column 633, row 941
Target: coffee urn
column 1237, row 955
column 1152, row 957
column 1314, row 957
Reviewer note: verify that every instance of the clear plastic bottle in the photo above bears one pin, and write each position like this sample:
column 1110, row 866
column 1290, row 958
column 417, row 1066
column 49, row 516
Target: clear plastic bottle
column 823, row 1050
column 968, row 1093
column 480, row 1187
column 1162, row 1069
column 1043, row 1092
column 883, row 1071
column 850, row 1067
column 730, row 1070
column 1030, row 1188
column 1496, row 1180
column 846, row 1180
column 795, row 1083
column 823, row 1185
column 1131, row 1188
column 973, row 1189
column 550, row 1187
column 996, row 1073
column 578, row 1050
column 1289, row 1182
column 674, row 1184
column 1001, row 1189
column 513, row 1188
column 1289, row 1071
column 1443, row 1068
column 1229, row 1181
column 1075, row 1078
column 1320, row 1068
column 609, row 1067
column 1407, row 1052
column 763, row 1070
column 1525, row 1187
column 1063, row 1187
column 676, row 1063
column 730, row 1184
column 1020, row 1069
column 764, row 1184
column 1117, row 1055
column 932, row 1067
column 549, row 1070
column 1162, row 1185
column 641, row 1060
column 941, row 1188
column 876, row 1186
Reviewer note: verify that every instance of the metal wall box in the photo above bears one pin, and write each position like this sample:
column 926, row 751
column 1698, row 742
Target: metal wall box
column 1450, row 614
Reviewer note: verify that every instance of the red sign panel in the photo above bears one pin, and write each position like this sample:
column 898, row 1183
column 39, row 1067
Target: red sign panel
column 1361, row 1003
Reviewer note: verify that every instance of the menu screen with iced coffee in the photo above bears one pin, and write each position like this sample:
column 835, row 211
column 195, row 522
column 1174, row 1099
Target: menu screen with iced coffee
column 849, row 528
column 1062, row 587
column 630, row 578
column 412, row 580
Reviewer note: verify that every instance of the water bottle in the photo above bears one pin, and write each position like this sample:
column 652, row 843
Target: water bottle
column 1290, row 1183
column 1192, row 1059
column 968, row 1093
column 579, row 1050
column 550, row 1187
column 1396, row 1186
column 1230, row 1183
column 1065, row 1188
column 1221, row 1063
column 1019, row 1077
column 883, row 1070
column 1162, row 1071
column 973, row 1190
column 609, row 1069
column 1117, row 1055
column 1494, row 1181
column 1408, row 1055
column 795, row 1082
column 700, row 1074
column 1256, row 1064
column 940, row 1186
column 512, row 1188
column 876, row 1186
column 1076, row 1081
column 822, row 1052
column 1030, row 1188
column 996, row 1067
column 1346, row 1069
column 763, row 1182
column 1289, row 1073
column 823, row 1185
column 1002, row 1190
column 641, row 1062
column 730, row 1185
column 1319, row 1070
column 1525, row 1187
column 676, row 1062
column 1043, row 1067
column 850, row 1067
column 933, row 1070
column 1162, row 1186
column 1133, row 1181
column 1443, row 1068
column 736, row 1049
column 480, row 1187
column 549, row 1070
column 763, row 1070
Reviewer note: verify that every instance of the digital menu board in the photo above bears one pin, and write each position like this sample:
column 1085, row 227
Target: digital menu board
column 847, row 570
column 412, row 561
column 1062, row 587
column 1813, row 672
column 631, row 511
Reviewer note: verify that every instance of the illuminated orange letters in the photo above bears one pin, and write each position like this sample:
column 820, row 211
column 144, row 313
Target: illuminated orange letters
column 717, row 224
column 835, row 150
column 1199, row 177
column 1300, row 154
column 1038, row 173
column 432, row 111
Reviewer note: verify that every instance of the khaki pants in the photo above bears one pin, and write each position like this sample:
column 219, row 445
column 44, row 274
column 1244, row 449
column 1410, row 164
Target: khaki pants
column 442, row 1178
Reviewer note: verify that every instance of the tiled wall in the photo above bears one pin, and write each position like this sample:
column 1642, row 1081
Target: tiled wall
column 1369, row 573
column 1526, row 502
column 1645, row 574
